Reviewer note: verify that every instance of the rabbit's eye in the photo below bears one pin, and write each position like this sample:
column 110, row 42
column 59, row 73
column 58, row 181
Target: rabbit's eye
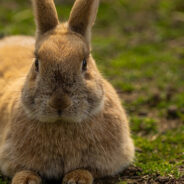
column 37, row 65
column 84, row 65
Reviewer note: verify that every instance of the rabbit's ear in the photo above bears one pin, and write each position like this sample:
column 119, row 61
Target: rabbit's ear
column 82, row 17
column 45, row 15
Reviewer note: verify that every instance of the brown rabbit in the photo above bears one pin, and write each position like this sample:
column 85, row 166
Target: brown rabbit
column 59, row 118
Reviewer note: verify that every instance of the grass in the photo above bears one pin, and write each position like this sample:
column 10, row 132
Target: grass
column 163, row 154
column 139, row 48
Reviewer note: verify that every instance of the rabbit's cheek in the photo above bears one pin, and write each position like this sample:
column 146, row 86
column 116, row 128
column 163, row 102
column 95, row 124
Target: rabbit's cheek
column 98, row 107
column 95, row 99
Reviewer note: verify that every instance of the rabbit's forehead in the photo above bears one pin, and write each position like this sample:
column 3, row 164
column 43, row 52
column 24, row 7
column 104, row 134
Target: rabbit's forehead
column 58, row 48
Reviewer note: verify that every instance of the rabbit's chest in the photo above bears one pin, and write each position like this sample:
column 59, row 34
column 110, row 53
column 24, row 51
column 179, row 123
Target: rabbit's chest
column 57, row 157
column 50, row 153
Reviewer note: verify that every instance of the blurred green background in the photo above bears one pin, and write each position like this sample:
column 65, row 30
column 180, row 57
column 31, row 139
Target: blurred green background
column 139, row 47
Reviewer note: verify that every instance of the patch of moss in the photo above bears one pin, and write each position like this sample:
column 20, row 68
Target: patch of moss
column 163, row 155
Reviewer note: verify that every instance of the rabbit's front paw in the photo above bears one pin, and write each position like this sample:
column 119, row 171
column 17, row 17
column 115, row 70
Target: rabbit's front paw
column 78, row 177
column 26, row 177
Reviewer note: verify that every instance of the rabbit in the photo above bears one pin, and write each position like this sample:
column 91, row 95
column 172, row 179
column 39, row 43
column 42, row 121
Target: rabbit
column 59, row 118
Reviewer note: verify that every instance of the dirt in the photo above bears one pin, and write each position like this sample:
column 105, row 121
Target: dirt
column 133, row 175
column 149, row 108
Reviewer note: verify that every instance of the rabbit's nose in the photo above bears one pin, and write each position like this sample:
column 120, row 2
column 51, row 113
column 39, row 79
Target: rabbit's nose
column 59, row 102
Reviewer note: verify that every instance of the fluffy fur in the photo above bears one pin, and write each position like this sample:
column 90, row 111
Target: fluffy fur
column 57, row 119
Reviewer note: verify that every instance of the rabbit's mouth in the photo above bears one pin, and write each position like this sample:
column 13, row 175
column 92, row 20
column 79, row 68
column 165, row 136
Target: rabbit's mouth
column 61, row 117
column 50, row 119
column 59, row 112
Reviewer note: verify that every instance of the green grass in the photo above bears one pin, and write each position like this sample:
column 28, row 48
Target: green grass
column 139, row 48
column 163, row 154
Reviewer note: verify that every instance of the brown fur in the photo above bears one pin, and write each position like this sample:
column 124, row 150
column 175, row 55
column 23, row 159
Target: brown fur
column 78, row 176
column 60, row 118
column 46, row 15
column 83, row 16
column 27, row 177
